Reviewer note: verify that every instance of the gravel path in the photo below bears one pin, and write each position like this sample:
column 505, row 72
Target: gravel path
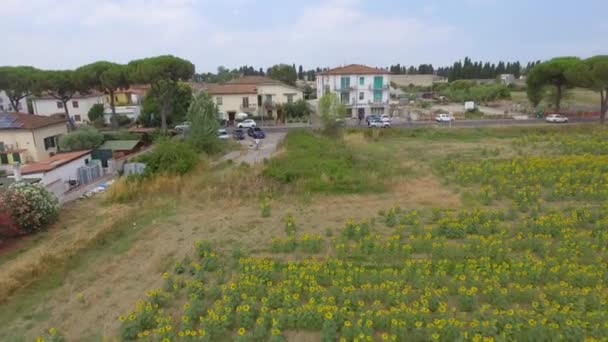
column 252, row 156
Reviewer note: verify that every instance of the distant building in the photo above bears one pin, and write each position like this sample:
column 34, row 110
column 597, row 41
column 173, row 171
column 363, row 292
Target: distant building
column 507, row 79
column 255, row 95
column 78, row 106
column 6, row 106
column 127, row 102
column 418, row 80
column 27, row 138
column 363, row 89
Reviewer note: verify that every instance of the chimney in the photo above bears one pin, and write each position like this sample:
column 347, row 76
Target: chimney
column 17, row 172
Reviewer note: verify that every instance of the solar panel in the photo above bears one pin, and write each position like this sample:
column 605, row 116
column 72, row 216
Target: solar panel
column 8, row 120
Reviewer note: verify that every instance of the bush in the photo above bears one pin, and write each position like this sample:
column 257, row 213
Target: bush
column 83, row 138
column 31, row 207
column 96, row 112
column 462, row 90
column 170, row 157
column 298, row 109
column 123, row 120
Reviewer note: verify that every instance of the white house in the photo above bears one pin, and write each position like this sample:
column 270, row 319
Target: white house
column 78, row 106
column 61, row 172
column 364, row 90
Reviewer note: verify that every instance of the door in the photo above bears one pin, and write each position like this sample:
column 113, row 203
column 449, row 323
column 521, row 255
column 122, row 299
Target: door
column 231, row 116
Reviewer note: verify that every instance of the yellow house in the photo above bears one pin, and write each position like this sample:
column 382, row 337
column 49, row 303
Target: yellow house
column 121, row 98
column 27, row 138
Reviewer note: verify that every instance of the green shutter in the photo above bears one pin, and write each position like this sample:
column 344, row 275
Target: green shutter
column 377, row 95
column 361, row 80
column 378, row 82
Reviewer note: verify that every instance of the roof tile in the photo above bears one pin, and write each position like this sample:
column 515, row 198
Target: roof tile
column 354, row 69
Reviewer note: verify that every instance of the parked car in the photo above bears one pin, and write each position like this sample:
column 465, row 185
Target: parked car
column 223, row 134
column 256, row 133
column 238, row 134
column 444, row 118
column 372, row 117
column 183, row 127
column 386, row 118
column 379, row 123
column 556, row 118
column 246, row 124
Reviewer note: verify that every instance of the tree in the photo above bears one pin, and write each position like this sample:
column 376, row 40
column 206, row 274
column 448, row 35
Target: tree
column 284, row 73
column 18, row 83
column 297, row 109
column 592, row 73
column 163, row 73
column 84, row 138
column 331, row 110
column 301, row 73
column 203, row 114
column 308, row 92
column 106, row 77
column 178, row 106
column 62, row 85
column 551, row 73
column 96, row 112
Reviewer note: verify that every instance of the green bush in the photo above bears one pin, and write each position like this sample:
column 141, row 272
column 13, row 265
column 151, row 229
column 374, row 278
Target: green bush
column 84, row 138
column 96, row 112
column 298, row 109
column 169, row 156
column 31, row 207
column 463, row 90
column 123, row 120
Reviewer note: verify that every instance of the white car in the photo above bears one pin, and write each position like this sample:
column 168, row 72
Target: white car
column 444, row 118
column 379, row 123
column 385, row 118
column 223, row 134
column 183, row 127
column 557, row 118
column 246, row 124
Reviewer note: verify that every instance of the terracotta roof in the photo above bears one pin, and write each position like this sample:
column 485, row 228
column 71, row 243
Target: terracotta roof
column 53, row 162
column 253, row 80
column 28, row 121
column 218, row 89
column 354, row 69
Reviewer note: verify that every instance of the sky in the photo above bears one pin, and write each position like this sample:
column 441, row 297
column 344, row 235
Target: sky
column 64, row 34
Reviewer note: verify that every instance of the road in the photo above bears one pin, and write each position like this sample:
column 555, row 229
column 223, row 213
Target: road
column 457, row 123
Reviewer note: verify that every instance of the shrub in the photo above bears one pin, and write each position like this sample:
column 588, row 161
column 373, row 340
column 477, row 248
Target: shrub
column 297, row 109
column 96, row 112
column 83, row 138
column 170, row 157
column 123, row 120
column 31, row 207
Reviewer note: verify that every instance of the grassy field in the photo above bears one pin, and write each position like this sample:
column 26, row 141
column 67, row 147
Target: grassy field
column 575, row 99
column 415, row 234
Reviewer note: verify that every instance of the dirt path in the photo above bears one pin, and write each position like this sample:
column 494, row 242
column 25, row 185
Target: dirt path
column 249, row 155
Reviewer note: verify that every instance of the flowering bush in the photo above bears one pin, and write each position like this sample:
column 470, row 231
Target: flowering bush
column 31, row 207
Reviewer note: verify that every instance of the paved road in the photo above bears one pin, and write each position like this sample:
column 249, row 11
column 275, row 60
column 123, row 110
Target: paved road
column 457, row 123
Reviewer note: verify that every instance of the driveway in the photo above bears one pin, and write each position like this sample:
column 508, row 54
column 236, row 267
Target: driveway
column 248, row 153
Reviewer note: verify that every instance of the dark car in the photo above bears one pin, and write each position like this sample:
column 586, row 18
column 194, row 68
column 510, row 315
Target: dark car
column 371, row 118
column 238, row 134
column 256, row 133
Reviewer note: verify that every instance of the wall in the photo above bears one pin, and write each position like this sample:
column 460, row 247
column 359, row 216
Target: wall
column 279, row 92
column 48, row 107
column 45, row 132
column 132, row 112
column 233, row 102
column 20, row 139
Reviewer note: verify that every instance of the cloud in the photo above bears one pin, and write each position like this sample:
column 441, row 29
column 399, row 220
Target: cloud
column 74, row 32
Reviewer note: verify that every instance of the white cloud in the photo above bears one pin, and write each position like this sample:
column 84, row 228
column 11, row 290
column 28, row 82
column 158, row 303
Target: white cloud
column 74, row 32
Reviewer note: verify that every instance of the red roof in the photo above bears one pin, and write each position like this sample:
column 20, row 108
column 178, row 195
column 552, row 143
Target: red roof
column 28, row 121
column 253, row 80
column 53, row 162
column 354, row 69
column 92, row 93
column 219, row 89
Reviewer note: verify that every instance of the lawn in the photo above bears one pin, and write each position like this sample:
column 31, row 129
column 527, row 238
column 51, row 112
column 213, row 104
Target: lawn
column 459, row 234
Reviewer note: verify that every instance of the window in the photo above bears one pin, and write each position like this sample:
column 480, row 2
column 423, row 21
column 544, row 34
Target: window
column 50, row 142
column 1, row 100
column 345, row 82
column 268, row 98
column 344, row 98
column 59, row 104
column 77, row 118
column 3, row 159
column 16, row 158
column 361, row 96
column 289, row 98
column 116, row 98
column 75, row 104
column 361, row 80
column 377, row 95
column 218, row 100
column 2, row 107
column 246, row 102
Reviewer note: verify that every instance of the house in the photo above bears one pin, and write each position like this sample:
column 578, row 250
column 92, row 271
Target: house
column 121, row 148
column 127, row 102
column 418, row 80
column 64, row 171
column 507, row 79
column 363, row 89
column 255, row 95
column 78, row 106
column 27, row 138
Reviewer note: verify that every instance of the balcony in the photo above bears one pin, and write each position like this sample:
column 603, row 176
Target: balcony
column 248, row 108
column 383, row 88
column 377, row 103
column 343, row 89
